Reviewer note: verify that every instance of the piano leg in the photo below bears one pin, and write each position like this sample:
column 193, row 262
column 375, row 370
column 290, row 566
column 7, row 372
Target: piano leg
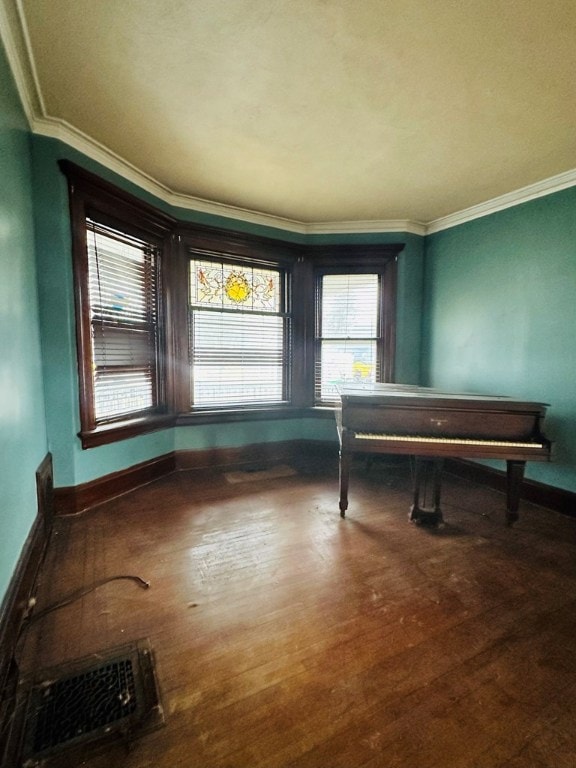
column 345, row 459
column 514, row 477
column 423, row 469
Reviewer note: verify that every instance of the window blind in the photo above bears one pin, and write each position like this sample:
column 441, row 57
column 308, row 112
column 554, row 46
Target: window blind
column 123, row 287
column 347, row 332
column 238, row 335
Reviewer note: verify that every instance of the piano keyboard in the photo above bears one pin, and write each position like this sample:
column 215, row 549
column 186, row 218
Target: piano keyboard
column 445, row 440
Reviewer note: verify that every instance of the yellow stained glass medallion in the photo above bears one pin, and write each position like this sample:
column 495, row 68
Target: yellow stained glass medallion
column 237, row 287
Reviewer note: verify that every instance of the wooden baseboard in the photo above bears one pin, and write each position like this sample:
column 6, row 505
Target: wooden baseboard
column 72, row 499
column 547, row 496
column 246, row 456
column 45, row 492
column 16, row 602
column 303, row 453
column 75, row 499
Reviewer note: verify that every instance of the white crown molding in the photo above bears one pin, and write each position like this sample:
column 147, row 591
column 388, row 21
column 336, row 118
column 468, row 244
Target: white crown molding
column 59, row 129
column 509, row 200
column 372, row 226
column 14, row 35
column 68, row 134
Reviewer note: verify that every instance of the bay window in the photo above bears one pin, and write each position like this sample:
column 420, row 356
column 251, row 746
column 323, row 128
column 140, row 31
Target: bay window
column 182, row 323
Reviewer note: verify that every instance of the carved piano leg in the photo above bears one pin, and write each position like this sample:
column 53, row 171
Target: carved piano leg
column 344, row 476
column 424, row 468
column 514, row 477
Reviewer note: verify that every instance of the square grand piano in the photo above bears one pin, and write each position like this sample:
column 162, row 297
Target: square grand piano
column 431, row 425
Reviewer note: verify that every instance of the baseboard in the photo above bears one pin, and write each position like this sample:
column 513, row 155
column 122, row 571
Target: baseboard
column 69, row 500
column 546, row 496
column 15, row 605
column 257, row 454
column 45, row 492
column 73, row 499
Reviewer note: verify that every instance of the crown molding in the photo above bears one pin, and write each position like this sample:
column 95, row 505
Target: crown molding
column 14, row 35
column 509, row 200
column 68, row 134
column 372, row 226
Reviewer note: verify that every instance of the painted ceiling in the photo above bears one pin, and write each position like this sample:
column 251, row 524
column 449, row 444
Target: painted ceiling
column 308, row 110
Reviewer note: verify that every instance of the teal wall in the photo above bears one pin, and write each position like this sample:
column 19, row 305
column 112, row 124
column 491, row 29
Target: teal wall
column 23, row 442
column 72, row 465
column 501, row 315
column 247, row 433
column 486, row 306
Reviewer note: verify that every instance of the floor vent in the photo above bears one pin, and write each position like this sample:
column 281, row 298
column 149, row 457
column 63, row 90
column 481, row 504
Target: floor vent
column 90, row 701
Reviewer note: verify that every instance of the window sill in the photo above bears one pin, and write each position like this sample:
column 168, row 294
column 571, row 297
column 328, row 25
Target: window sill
column 225, row 416
column 123, row 430
column 252, row 414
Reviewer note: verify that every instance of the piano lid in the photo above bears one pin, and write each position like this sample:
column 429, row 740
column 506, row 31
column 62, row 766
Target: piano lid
column 409, row 395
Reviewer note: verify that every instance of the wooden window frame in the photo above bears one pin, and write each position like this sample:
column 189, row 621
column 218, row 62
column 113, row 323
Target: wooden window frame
column 283, row 313
column 381, row 260
column 92, row 197
column 198, row 241
column 179, row 241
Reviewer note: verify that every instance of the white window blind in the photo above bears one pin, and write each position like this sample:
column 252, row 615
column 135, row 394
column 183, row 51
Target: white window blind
column 238, row 335
column 122, row 286
column 347, row 332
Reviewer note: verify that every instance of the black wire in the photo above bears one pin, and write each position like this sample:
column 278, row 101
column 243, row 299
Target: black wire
column 73, row 596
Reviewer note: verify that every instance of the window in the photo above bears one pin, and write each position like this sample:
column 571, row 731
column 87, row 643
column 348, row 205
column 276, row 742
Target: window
column 119, row 246
column 355, row 318
column 239, row 334
column 348, row 331
column 123, row 301
column 180, row 323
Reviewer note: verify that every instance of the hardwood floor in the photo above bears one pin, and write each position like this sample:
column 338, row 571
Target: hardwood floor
column 285, row 637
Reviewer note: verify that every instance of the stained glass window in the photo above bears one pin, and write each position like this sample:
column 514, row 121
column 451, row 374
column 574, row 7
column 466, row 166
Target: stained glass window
column 238, row 334
column 223, row 285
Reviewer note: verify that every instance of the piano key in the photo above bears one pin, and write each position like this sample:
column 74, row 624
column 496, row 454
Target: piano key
column 445, row 440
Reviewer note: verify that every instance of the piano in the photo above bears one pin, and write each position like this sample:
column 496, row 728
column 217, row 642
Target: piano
column 432, row 425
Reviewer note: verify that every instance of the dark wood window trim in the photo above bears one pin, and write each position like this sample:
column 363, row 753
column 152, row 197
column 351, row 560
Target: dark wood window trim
column 357, row 259
column 92, row 197
column 179, row 240
column 237, row 248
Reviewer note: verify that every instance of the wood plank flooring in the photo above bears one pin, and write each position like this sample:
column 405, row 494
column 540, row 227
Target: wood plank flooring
column 286, row 637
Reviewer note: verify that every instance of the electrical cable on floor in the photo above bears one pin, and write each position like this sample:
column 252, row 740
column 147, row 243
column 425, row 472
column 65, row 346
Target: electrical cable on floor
column 79, row 593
